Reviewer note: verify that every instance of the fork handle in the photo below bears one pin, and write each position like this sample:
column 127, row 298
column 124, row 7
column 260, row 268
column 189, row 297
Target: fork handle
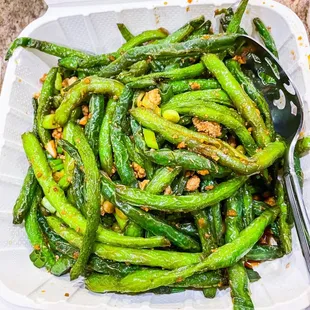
column 301, row 216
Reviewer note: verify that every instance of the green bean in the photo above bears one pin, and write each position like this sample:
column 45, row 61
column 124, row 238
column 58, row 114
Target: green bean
column 193, row 84
column 141, row 38
column 176, row 74
column 35, row 110
column 75, row 62
column 265, row 36
column 264, row 252
column 92, row 200
column 225, row 256
column 183, row 32
column 208, row 112
column 137, row 69
column 35, row 234
column 187, row 160
column 176, row 134
column 208, row 95
column 248, row 214
column 161, row 179
column 148, row 221
column 105, row 146
column 298, row 170
column 126, row 34
column 133, row 230
column 121, row 156
column 207, row 241
column 243, row 103
column 179, row 35
column 214, row 214
column 76, row 94
column 25, row 197
column 62, row 266
column 92, row 127
column 43, row 108
column 180, row 203
column 234, row 24
column 69, row 165
column 210, row 279
column 252, row 275
column 66, row 211
column 56, row 243
column 153, row 258
column 189, row 105
column 202, row 30
column 43, row 46
column 188, row 228
column 141, row 146
column 302, row 146
column 134, row 156
column 188, row 48
column 284, row 229
column 238, row 280
column 235, row 68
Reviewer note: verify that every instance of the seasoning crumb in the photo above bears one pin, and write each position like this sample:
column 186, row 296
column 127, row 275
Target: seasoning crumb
column 43, row 291
column 212, row 129
column 168, row 190
column 67, row 294
column 194, row 85
column 299, row 38
column 165, row 3
column 181, row 145
column 192, row 184
column 143, row 184
column 203, row 172
column 231, row 213
column 187, row 9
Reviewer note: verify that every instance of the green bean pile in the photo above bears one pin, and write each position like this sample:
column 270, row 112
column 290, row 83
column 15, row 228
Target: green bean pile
column 156, row 167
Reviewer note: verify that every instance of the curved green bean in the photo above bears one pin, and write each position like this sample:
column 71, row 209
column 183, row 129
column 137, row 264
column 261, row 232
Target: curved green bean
column 77, row 93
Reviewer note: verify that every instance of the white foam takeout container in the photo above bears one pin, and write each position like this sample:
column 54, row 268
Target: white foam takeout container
column 91, row 26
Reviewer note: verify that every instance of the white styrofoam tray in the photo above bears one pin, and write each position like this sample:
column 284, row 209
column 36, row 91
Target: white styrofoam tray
column 91, row 26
